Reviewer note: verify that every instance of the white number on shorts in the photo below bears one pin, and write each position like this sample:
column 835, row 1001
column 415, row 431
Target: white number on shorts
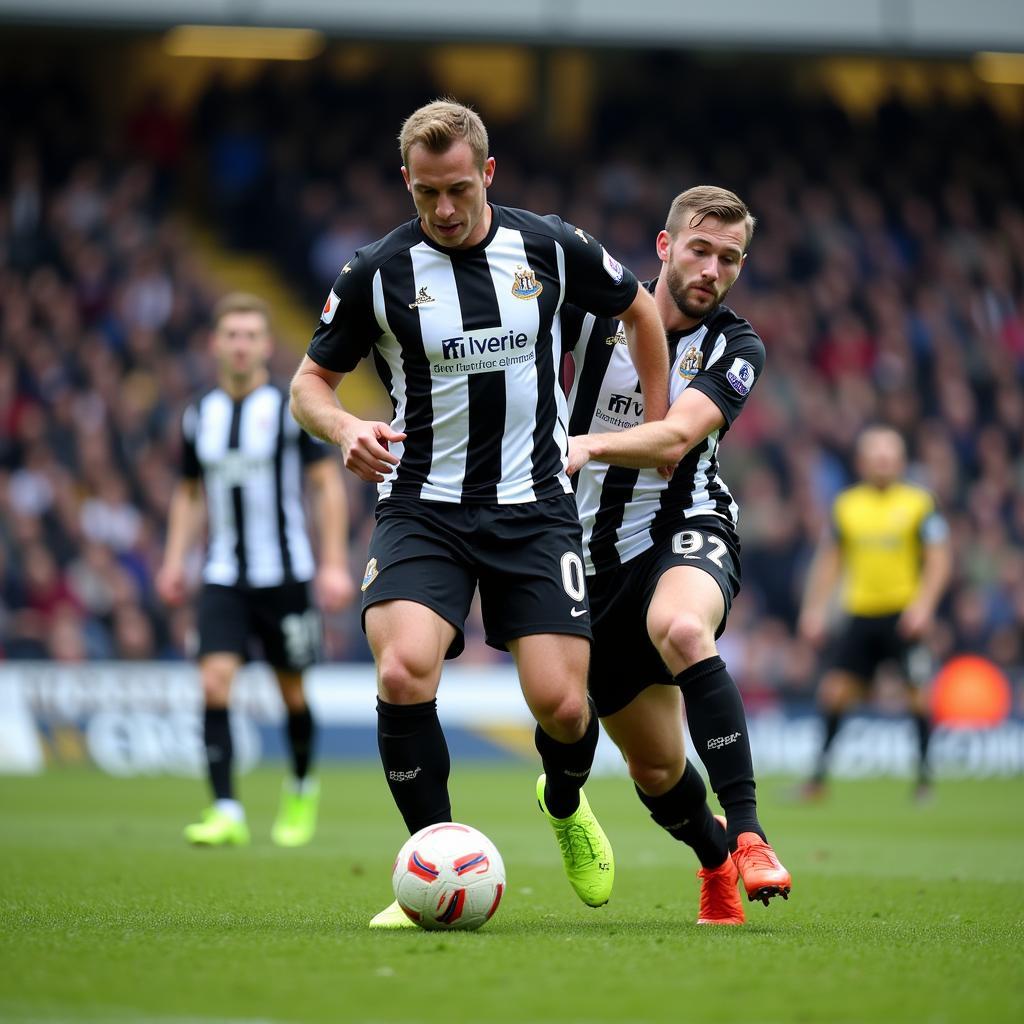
column 573, row 576
column 301, row 636
column 689, row 543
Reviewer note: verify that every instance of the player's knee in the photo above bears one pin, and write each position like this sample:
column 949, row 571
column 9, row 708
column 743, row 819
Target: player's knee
column 836, row 693
column 654, row 776
column 405, row 679
column 563, row 717
column 682, row 637
column 294, row 699
column 216, row 682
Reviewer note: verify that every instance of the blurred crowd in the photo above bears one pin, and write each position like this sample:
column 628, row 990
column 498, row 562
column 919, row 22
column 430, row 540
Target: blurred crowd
column 886, row 277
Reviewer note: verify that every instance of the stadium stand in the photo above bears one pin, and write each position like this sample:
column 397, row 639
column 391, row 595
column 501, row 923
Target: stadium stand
column 886, row 278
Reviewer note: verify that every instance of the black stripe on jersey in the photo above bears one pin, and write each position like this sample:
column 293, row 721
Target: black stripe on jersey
column 398, row 283
column 542, row 257
column 282, row 531
column 486, row 413
column 236, row 496
column 595, row 366
column 615, row 495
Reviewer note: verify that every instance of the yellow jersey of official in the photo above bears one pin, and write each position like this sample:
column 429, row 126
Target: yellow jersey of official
column 882, row 533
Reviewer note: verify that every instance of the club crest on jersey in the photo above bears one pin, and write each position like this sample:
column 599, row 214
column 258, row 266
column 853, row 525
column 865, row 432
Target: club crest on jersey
column 741, row 376
column 370, row 575
column 613, row 268
column 424, row 298
column 618, row 338
column 690, row 364
column 526, row 284
column 330, row 307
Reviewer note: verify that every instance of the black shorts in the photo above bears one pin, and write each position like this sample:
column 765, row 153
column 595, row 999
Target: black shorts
column 527, row 560
column 867, row 642
column 623, row 661
column 280, row 623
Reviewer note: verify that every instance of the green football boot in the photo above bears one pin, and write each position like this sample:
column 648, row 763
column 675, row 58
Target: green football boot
column 392, row 916
column 295, row 824
column 586, row 852
column 218, row 828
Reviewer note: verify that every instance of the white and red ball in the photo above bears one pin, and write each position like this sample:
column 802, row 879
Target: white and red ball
column 449, row 877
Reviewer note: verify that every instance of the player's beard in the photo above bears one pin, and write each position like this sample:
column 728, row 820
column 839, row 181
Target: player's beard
column 680, row 296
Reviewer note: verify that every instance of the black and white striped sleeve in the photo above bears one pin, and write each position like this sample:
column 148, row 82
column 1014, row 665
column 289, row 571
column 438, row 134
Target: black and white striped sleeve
column 348, row 325
column 594, row 279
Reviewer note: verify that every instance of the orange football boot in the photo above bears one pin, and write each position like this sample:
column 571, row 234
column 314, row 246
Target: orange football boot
column 763, row 876
column 720, row 901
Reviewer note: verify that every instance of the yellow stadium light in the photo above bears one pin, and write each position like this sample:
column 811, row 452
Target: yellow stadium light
column 1000, row 68
column 235, row 42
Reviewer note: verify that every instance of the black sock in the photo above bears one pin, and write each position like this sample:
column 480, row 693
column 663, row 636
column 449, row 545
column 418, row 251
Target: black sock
column 219, row 753
column 684, row 814
column 718, row 726
column 415, row 757
column 567, row 766
column 300, row 739
column 924, row 735
column 832, row 721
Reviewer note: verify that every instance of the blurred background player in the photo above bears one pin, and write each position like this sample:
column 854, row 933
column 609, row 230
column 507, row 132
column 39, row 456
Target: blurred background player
column 244, row 460
column 889, row 548
column 662, row 553
column 470, row 473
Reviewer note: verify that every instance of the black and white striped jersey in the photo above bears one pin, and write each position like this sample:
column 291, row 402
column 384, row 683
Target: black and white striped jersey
column 468, row 344
column 624, row 511
column 250, row 455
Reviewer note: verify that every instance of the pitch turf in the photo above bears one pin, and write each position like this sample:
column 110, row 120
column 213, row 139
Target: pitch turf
column 899, row 912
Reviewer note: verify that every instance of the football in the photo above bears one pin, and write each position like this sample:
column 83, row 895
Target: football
column 449, row 877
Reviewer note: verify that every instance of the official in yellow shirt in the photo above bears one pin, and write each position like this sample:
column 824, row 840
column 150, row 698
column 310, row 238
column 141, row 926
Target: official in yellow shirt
column 887, row 553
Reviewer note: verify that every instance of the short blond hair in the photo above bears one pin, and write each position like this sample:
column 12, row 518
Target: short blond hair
column 709, row 201
column 240, row 302
column 439, row 125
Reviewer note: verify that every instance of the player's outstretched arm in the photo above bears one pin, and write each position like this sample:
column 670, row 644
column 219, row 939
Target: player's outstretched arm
column 333, row 583
column 822, row 579
column 936, row 571
column 363, row 443
column 185, row 522
column 648, row 348
column 651, row 445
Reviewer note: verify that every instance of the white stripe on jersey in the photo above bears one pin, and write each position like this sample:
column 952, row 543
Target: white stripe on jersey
column 449, row 395
column 516, row 484
column 701, row 503
column 391, row 352
column 700, row 499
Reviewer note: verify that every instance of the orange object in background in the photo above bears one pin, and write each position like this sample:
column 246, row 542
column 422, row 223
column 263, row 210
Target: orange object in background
column 970, row 691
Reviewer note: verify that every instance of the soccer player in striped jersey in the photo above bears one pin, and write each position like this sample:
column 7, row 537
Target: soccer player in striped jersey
column 459, row 308
column 661, row 549
column 244, row 463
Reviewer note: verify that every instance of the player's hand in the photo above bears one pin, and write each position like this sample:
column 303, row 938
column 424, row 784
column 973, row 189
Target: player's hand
column 579, row 454
column 170, row 585
column 333, row 588
column 812, row 626
column 915, row 621
column 364, row 449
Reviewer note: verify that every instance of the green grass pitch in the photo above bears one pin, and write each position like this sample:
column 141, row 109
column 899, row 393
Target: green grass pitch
column 899, row 912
